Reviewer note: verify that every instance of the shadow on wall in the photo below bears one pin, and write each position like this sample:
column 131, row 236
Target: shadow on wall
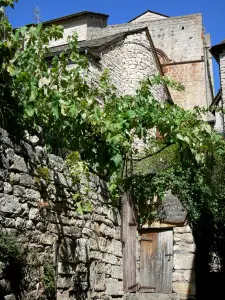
column 210, row 259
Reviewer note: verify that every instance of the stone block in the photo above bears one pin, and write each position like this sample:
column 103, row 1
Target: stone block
column 10, row 297
column 56, row 163
column 9, row 222
column 48, row 239
column 7, row 188
column 9, row 204
column 157, row 296
column 183, row 262
column 106, row 230
column 117, row 272
column 101, row 287
column 67, row 251
column 114, row 287
column 32, row 194
column 184, row 288
column 26, row 180
column 82, row 250
column 183, row 229
column 109, row 258
column 60, row 179
column 93, row 245
column 18, row 191
column 184, row 238
column 71, row 232
column 65, row 282
column 14, row 178
column 20, row 223
column 184, row 247
column 63, row 295
column 34, row 214
column 103, row 268
column 27, row 150
column 102, row 244
column 19, row 164
column 115, row 247
column 96, row 255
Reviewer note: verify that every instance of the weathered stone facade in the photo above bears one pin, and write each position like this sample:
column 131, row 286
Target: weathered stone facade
column 218, row 51
column 36, row 192
column 130, row 58
column 36, row 205
column 179, row 42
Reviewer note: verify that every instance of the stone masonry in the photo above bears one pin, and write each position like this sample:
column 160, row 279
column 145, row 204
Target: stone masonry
column 179, row 42
column 36, row 191
column 36, row 205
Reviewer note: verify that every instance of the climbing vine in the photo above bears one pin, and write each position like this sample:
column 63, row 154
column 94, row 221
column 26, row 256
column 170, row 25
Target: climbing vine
column 97, row 128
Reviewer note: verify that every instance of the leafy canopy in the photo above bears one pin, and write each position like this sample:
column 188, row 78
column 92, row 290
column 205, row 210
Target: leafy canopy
column 51, row 95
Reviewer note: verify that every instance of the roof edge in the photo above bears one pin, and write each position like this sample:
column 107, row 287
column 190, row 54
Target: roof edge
column 85, row 12
column 146, row 12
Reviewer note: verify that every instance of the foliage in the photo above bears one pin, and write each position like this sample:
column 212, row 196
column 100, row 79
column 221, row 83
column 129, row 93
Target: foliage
column 49, row 281
column 10, row 251
column 99, row 127
column 44, row 173
column 14, row 264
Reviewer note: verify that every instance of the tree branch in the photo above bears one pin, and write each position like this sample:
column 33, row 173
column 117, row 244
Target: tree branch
column 152, row 154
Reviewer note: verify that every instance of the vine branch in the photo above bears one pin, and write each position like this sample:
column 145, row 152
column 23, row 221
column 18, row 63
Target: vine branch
column 152, row 154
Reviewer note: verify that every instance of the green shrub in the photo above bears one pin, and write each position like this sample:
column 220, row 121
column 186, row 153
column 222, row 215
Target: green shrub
column 49, row 280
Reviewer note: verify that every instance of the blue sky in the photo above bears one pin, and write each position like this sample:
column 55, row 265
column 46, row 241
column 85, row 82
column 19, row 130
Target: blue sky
column 121, row 11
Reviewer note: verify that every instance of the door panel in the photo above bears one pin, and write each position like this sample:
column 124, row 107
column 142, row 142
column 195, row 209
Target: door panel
column 156, row 262
column 129, row 235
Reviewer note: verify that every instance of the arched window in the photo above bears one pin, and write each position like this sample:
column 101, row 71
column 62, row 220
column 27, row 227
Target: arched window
column 163, row 58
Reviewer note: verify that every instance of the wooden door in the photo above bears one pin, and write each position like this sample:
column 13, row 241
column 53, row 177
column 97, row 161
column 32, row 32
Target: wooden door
column 156, row 263
column 129, row 236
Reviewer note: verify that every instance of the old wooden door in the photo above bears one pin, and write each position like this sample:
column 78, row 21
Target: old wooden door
column 156, row 261
column 129, row 229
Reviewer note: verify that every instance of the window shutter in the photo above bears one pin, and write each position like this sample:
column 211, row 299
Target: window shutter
column 129, row 229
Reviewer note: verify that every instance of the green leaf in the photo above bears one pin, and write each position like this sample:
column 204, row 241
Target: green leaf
column 55, row 108
column 30, row 109
column 117, row 159
column 180, row 137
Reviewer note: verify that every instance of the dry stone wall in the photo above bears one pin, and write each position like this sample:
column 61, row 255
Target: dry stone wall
column 36, row 205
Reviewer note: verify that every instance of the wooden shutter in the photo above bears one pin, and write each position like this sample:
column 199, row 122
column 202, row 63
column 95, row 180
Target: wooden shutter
column 129, row 228
column 156, row 262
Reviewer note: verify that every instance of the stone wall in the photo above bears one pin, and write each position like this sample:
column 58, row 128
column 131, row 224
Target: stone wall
column 219, row 116
column 184, row 263
column 129, row 60
column 148, row 16
column 78, row 25
column 181, row 39
column 36, row 204
column 222, row 73
column 192, row 77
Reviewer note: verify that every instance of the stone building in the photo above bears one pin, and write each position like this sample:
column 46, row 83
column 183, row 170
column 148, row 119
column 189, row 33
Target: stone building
column 98, row 255
column 218, row 51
